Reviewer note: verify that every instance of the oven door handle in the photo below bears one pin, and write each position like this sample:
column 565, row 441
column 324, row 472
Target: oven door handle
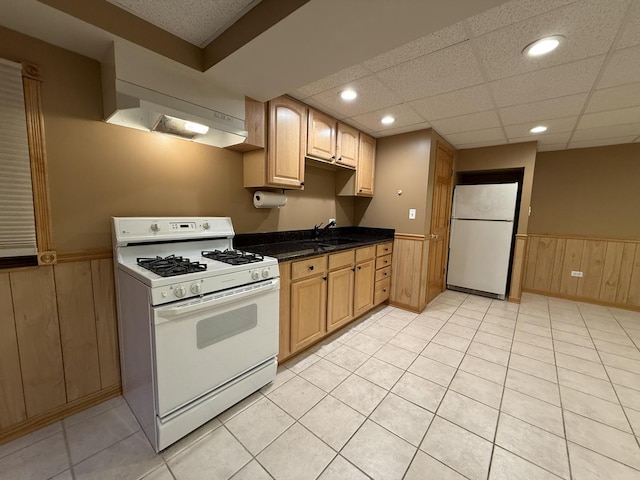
column 162, row 314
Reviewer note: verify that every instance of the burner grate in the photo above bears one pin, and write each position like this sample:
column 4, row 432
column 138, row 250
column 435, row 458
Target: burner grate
column 171, row 266
column 233, row 257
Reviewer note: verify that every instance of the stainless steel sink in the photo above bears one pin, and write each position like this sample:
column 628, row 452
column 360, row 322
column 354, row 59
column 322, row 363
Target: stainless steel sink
column 327, row 242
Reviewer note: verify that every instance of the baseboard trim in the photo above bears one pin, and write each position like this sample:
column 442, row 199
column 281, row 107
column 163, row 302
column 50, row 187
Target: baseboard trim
column 31, row 424
column 583, row 299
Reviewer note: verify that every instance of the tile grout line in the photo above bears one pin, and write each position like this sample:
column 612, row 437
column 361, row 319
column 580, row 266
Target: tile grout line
column 68, row 449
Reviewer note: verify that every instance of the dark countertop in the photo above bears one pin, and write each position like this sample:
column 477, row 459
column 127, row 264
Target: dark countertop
column 297, row 244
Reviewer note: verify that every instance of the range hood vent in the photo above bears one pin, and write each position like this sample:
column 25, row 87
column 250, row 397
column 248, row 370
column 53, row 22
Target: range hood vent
column 141, row 90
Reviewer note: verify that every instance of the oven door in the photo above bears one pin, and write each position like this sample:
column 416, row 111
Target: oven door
column 200, row 344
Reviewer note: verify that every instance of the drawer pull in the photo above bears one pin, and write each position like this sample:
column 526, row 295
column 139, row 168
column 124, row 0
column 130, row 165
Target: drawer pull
column 386, row 261
column 311, row 267
column 385, row 274
column 386, row 249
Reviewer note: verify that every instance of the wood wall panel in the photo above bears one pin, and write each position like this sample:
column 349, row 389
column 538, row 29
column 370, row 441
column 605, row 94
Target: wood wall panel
column 38, row 333
column 571, row 261
column 611, row 269
column 592, row 266
column 517, row 269
column 77, row 328
column 626, row 269
column 106, row 321
column 406, row 273
column 12, row 407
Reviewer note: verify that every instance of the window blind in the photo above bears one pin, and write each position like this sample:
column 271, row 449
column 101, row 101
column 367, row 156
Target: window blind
column 17, row 221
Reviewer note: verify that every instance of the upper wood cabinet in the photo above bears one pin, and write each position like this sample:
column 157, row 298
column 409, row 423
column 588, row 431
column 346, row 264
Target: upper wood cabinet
column 347, row 146
column 282, row 165
column 366, row 165
column 321, row 139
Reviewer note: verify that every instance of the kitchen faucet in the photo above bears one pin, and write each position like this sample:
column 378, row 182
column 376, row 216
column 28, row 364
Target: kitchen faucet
column 316, row 228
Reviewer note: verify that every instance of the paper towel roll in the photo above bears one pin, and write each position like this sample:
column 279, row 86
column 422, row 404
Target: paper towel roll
column 269, row 200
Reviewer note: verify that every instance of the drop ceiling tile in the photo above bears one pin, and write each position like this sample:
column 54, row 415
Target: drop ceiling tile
column 197, row 22
column 559, row 81
column 443, row 71
column 487, row 135
column 460, row 102
column 544, row 110
column 422, row 46
column 322, row 107
column 552, row 148
column 614, row 97
column 600, row 142
column 467, row 123
column 555, row 125
column 609, row 118
column 589, row 27
column 623, row 67
column 550, row 139
column 403, row 113
column 631, row 34
column 340, row 78
column 632, row 129
column 372, row 95
column 408, row 128
column 511, row 12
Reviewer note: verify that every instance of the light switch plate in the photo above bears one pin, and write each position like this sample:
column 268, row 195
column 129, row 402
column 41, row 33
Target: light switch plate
column 412, row 214
column 576, row 274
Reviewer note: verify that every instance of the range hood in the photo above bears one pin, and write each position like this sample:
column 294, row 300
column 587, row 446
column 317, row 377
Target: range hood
column 141, row 88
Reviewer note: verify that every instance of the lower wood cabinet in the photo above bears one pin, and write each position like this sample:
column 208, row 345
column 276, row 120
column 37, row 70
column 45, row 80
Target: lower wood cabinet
column 321, row 294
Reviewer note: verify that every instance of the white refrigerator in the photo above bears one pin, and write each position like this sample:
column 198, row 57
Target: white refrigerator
column 481, row 235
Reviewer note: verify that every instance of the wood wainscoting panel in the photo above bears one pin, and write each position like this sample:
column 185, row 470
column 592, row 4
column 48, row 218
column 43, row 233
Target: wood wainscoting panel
column 77, row 328
column 12, row 408
column 104, row 303
column 408, row 278
column 610, row 269
column 517, row 269
column 38, row 333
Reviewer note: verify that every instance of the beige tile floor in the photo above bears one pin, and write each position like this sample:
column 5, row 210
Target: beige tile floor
column 471, row 388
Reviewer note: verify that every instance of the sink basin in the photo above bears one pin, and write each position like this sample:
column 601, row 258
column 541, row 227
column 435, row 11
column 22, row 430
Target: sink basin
column 327, row 242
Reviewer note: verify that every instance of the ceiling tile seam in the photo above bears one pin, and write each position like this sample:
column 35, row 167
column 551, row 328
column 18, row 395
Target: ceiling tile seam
column 626, row 18
column 405, row 101
column 483, row 74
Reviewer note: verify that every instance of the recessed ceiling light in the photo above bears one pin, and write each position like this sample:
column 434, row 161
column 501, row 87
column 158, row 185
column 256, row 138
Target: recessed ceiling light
column 543, row 46
column 538, row 129
column 387, row 120
column 348, row 94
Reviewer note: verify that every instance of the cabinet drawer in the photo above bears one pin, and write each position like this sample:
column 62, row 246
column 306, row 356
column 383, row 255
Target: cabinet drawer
column 308, row 267
column 381, row 292
column 365, row 253
column 384, row 249
column 384, row 261
column 383, row 273
column 341, row 259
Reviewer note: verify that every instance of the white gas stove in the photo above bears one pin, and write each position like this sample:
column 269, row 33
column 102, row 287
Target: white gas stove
column 198, row 321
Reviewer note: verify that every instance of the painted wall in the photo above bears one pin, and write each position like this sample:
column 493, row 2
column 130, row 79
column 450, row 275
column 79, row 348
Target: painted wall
column 588, row 192
column 402, row 163
column 98, row 170
column 518, row 155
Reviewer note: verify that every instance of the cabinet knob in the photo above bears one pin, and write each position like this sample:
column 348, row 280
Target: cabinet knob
column 359, row 267
column 339, row 159
column 360, row 190
column 386, row 261
column 324, row 278
column 386, row 249
column 311, row 267
column 384, row 290
column 333, row 157
column 353, row 269
column 385, row 274
column 302, row 184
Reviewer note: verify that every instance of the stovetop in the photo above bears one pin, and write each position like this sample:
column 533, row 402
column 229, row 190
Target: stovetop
column 171, row 265
column 233, row 257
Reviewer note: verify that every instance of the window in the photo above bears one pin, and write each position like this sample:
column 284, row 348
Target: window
column 25, row 237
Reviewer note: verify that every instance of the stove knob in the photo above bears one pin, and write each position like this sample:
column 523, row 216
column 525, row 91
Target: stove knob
column 265, row 273
column 196, row 288
column 180, row 291
column 255, row 275
column 206, row 225
column 155, row 227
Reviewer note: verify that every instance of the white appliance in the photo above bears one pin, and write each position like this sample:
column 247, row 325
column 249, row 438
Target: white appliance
column 482, row 221
column 197, row 334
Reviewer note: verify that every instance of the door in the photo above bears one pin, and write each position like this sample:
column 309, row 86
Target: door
column 363, row 290
column 287, row 142
column 440, row 216
column 339, row 297
column 203, row 343
column 308, row 311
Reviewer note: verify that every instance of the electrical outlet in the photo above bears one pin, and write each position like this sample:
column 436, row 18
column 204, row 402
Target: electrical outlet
column 333, row 220
column 576, row 274
column 412, row 214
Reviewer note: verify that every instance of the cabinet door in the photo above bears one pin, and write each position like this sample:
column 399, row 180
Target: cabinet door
column 321, row 140
column 287, row 142
column 308, row 311
column 366, row 164
column 339, row 297
column 347, row 145
column 363, row 287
